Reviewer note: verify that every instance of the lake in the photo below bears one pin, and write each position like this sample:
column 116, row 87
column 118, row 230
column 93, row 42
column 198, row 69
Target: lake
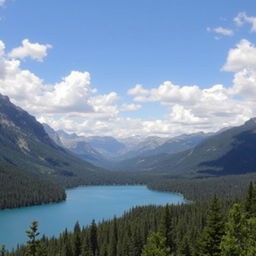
column 83, row 204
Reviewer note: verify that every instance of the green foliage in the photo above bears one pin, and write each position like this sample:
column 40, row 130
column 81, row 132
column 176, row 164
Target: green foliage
column 93, row 238
column 34, row 246
column 167, row 228
column 234, row 240
column 213, row 231
column 156, row 246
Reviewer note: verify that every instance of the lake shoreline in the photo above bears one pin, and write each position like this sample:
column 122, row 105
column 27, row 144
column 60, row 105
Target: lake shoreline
column 83, row 204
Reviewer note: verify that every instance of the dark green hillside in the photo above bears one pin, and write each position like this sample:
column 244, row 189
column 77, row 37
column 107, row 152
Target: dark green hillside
column 25, row 144
column 19, row 188
column 228, row 152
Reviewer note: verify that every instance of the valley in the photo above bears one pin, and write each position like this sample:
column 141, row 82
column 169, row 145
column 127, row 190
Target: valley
column 127, row 128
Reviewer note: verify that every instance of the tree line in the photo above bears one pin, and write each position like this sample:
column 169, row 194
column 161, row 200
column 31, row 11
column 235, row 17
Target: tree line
column 215, row 227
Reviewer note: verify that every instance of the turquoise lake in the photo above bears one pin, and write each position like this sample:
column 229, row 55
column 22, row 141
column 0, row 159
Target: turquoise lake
column 83, row 204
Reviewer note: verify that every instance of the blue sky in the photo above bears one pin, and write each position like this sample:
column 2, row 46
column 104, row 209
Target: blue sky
column 124, row 43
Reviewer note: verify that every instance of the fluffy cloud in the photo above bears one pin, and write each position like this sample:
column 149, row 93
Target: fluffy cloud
column 214, row 107
column 221, row 31
column 242, row 18
column 130, row 107
column 72, row 104
column 241, row 57
column 166, row 93
column 73, row 94
column 35, row 51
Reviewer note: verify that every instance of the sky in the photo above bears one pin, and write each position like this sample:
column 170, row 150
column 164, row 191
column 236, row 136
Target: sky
column 137, row 67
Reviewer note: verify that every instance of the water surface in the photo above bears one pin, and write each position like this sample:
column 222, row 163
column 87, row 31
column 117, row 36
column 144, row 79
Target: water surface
column 83, row 204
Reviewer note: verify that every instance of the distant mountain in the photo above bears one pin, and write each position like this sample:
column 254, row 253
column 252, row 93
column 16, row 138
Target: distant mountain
column 232, row 151
column 79, row 146
column 108, row 146
column 152, row 146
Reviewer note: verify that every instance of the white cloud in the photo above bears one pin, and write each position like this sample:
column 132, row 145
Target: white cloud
column 166, row 93
column 181, row 115
column 241, row 57
column 193, row 108
column 221, row 31
column 35, row 51
column 73, row 94
column 72, row 104
column 130, row 107
column 242, row 18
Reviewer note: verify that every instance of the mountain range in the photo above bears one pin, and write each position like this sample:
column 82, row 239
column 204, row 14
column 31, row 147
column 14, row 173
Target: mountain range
column 35, row 156
column 108, row 151
column 231, row 151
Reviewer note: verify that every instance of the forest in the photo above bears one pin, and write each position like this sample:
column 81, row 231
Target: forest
column 210, row 227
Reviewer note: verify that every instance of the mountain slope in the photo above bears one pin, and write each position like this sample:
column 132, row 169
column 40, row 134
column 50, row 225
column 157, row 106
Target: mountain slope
column 153, row 146
column 79, row 146
column 25, row 144
column 228, row 152
column 21, row 188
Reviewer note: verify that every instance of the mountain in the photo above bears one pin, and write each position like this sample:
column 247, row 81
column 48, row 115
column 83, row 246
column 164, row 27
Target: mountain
column 152, row 146
column 108, row 146
column 25, row 144
column 52, row 134
column 79, row 146
column 229, row 152
column 143, row 147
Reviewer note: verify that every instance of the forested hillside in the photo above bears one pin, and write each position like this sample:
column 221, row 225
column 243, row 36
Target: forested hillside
column 229, row 152
column 19, row 188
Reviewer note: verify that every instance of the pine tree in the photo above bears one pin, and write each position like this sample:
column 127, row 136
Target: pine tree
column 93, row 238
column 33, row 243
column 234, row 240
column 66, row 249
column 251, row 235
column 250, row 201
column 166, row 228
column 185, row 249
column 209, row 244
column 156, row 246
column 77, row 240
column 113, row 239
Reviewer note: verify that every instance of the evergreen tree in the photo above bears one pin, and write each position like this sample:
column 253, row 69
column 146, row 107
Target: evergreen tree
column 66, row 249
column 234, row 240
column 77, row 240
column 185, row 249
column 250, row 201
column 251, row 235
column 167, row 228
column 93, row 238
column 156, row 246
column 212, row 234
column 33, row 243
column 113, row 239
column 137, row 242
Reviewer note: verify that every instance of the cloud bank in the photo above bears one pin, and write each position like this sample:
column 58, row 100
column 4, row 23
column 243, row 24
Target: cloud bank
column 74, row 105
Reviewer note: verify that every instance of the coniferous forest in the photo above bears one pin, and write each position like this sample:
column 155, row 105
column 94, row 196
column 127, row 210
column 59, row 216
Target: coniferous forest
column 211, row 227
